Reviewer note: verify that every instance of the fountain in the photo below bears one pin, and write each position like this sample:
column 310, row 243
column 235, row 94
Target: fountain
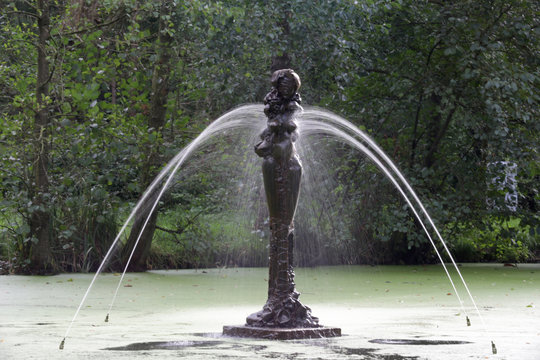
column 283, row 316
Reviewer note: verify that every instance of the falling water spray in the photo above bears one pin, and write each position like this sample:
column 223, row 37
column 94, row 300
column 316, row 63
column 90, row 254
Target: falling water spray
column 281, row 173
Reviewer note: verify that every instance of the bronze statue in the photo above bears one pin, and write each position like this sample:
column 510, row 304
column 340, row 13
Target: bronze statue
column 281, row 173
column 283, row 317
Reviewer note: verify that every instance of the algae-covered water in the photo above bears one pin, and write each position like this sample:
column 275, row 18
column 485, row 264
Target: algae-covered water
column 386, row 312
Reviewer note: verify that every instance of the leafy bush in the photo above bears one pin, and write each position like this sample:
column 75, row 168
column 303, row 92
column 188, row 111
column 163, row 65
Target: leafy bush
column 186, row 240
column 501, row 242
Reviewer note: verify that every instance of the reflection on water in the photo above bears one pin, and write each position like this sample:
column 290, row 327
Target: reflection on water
column 214, row 347
column 166, row 345
column 417, row 342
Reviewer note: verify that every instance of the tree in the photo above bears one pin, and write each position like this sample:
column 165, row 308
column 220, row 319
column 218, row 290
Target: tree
column 446, row 88
column 36, row 119
column 59, row 187
column 143, row 228
column 40, row 229
column 450, row 87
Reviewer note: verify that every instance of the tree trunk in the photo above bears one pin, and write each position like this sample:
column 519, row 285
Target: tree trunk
column 432, row 130
column 437, row 130
column 40, row 253
column 283, row 61
column 280, row 62
column 156, row 122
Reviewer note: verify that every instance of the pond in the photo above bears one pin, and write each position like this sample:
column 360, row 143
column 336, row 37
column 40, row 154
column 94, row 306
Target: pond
column 385, row 312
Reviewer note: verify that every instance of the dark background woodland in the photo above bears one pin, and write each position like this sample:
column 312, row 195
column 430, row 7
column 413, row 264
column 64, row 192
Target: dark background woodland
column 96, row 96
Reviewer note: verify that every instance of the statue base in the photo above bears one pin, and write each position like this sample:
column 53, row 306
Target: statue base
column 270, row 333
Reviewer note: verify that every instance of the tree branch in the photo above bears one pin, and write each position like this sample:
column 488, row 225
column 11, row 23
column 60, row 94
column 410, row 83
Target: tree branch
column 94, row 27
column 19, row 12
column 179, row 231
column 428, row 60
column 415, row 139
column 176, row 232
column 51, row 72
column 440, row 134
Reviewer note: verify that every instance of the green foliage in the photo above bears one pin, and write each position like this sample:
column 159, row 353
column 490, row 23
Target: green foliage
column 427, row 83
column 506, row 243
column 205, row 241
column 446, row 88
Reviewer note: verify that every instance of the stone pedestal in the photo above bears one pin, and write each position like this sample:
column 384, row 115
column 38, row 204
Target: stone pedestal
column 281, row 333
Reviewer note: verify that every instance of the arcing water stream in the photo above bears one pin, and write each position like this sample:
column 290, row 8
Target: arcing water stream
column 251, row 118
column 316, row 120
column 245, row 117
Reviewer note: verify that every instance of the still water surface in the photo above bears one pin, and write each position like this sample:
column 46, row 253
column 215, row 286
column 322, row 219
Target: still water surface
column 385, row 312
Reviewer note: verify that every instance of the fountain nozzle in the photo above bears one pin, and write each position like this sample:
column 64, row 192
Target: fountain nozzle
column 61, row 347
column 493, row 348
column 468, row 321
column 107, row 318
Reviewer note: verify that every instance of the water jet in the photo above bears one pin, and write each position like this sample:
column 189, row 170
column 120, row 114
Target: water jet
column 283, row 316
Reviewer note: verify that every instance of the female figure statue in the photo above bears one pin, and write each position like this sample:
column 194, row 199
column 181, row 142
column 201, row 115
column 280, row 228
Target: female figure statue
column 281, row 173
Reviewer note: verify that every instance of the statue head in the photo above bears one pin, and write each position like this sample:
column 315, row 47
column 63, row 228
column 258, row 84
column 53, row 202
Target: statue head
column 286, row 82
